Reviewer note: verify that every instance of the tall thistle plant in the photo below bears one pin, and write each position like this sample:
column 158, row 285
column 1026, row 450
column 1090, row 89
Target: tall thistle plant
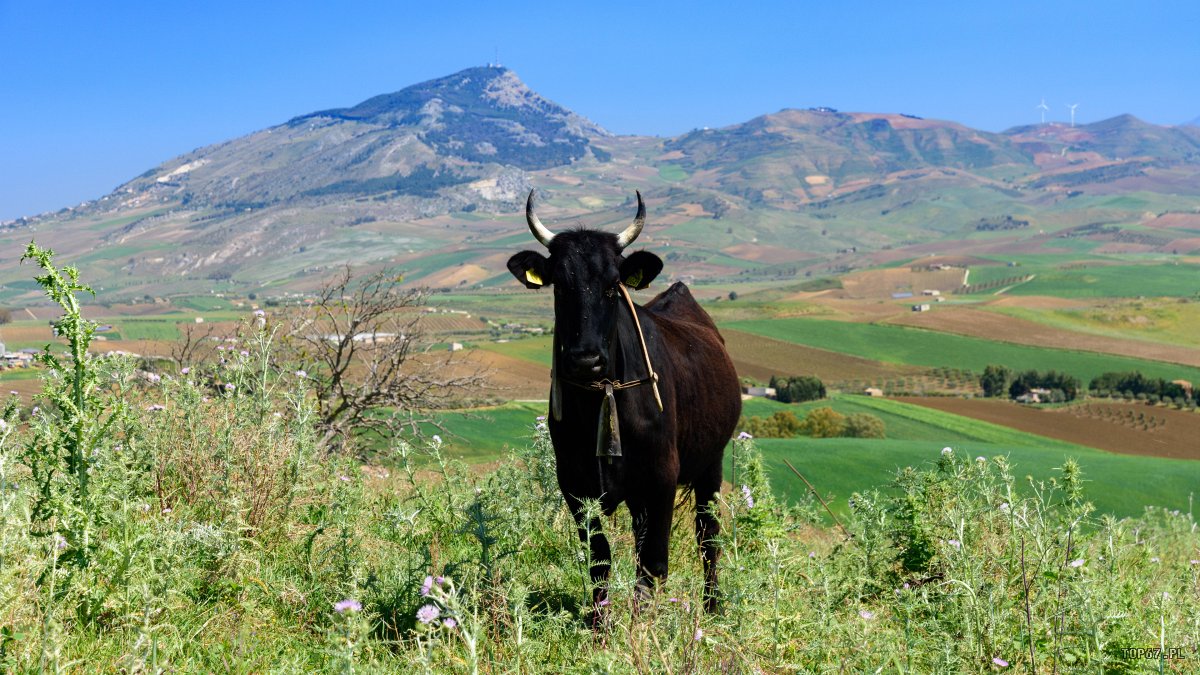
column 74, row 424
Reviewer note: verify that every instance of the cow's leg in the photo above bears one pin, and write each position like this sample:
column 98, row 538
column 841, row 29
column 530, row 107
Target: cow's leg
column 706, row 488
column 652, row 527
column 591, row 532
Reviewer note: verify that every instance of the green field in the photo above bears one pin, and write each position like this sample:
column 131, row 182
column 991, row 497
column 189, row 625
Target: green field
column 1114, row 281
column 672, row 172
column 535, row 349
column 838, row 467
column 1168, row 321
column 913, row 346
column 484, row 434
column 1120, row 484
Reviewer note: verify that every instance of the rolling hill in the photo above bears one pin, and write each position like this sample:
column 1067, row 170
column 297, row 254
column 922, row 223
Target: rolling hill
column 433, row 176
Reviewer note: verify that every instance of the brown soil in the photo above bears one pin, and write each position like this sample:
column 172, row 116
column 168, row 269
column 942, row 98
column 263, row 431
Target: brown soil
column 513, row 378
column 761, row 357
column 1096, row 425
column 880, row 284
column 995, row 326
column 1038, row 302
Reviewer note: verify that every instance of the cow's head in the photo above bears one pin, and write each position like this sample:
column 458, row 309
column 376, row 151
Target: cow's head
column 585, row 267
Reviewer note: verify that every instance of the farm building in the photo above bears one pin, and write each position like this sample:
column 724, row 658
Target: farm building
column 759, row 392
column 931, row 291
column 1035, row 395
column 920, row 308
column 455, row 346
column 873, row 391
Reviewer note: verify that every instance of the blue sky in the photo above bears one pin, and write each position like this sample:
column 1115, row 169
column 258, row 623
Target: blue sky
column 93, row 94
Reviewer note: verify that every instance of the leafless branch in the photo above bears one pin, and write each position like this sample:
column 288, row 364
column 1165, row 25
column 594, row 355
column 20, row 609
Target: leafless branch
column 362, row 346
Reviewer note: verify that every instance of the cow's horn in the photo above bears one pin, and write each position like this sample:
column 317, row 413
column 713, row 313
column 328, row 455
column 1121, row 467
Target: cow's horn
column 626, row 238
column 540, row 232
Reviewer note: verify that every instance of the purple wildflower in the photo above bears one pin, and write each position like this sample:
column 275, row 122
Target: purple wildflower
column 347, row 605
column 59, row 542
column 698, row 635
column 866, row 614
column 541, row 418
column 1000, row 662
column 955, row 543
column 1078, row 562
column 602, row 603
column 439, row 580
column 744, row 436
column 185, row 370
column 229, row 386
column 437, row 439
column 245, row 353
column 344, row 479
column 301, row 374
column 259, row 312
column 156, row 407
column 449, row 622
column 427, row 586
column 428, row 614
column 947, row 451
column 749, row 497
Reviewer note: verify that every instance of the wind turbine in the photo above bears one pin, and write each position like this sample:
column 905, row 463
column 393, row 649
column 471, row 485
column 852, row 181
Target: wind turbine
column 1073, row 106
column 1043, row 107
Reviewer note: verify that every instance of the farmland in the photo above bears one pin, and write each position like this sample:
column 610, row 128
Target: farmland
column 895, row 344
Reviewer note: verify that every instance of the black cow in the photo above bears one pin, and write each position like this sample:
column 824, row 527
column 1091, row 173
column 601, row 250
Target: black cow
column 632, row 420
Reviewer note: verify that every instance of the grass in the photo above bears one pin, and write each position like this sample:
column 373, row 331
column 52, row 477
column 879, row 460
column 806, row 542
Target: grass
column 1120, row 485
column 205, row 527
column 1168, row 321
column 1115, row 281
column 672, row 173
column 913, row 346
column 533, row 349
column 486, row 434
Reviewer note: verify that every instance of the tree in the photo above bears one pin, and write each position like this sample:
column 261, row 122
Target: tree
column 5, row 315
column 864, row 425
column 733, row 296
column 360, row 346
column 196, row 345
column 824, row 423
column 994, row 380
column 798, row 389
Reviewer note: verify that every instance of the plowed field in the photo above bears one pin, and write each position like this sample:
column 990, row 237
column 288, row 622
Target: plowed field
column 995, row 326
column 1175, row 434
column 760, row 357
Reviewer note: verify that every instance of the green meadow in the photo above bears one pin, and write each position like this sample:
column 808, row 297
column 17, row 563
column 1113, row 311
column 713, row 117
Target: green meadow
column 1121, row 485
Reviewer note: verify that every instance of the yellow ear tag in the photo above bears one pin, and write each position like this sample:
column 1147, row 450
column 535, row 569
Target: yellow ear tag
column 634, row 280
column 534, row 278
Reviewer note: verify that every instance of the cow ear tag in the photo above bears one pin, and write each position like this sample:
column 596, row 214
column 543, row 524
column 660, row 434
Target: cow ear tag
column 634, row 280
column 534, row 278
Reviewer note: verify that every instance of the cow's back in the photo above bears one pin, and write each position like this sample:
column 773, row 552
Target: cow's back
column 707, row 393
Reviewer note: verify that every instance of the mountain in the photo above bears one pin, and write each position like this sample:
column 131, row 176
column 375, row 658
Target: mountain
column 432, row 179
column 426, row 141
